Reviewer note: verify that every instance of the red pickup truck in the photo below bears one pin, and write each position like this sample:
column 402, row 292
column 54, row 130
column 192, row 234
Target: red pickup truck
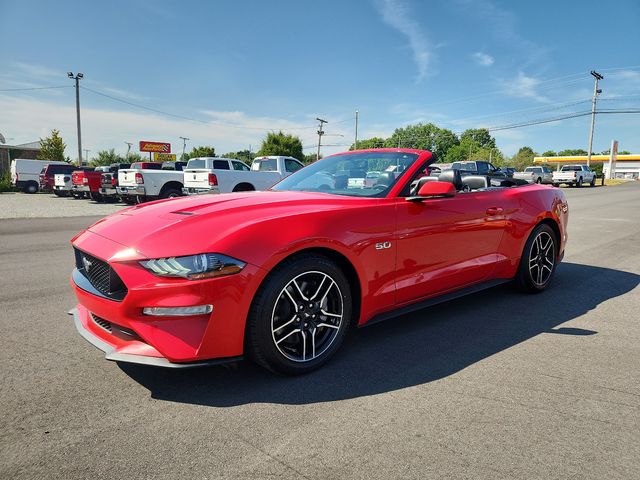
column 86, row 183
column 49, row 172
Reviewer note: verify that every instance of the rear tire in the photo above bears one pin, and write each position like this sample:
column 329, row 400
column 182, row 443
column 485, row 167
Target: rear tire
column 171, row 193
column 96, row 197
column 539, row 260
column 31, row 187
column 579, row 183
column 243, row 187
column 538, row 180
column 299, row 316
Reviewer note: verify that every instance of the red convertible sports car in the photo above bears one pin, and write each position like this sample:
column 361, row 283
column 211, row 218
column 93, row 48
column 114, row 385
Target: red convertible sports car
column 280, row 276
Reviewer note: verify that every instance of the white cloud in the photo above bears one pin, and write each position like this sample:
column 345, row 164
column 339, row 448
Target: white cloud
column 396, row 14
column 483, row 59
column 27, row 119
column 523, row 86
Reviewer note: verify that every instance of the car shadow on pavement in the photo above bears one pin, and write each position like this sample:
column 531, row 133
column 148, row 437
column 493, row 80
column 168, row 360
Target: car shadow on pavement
column 405, row 351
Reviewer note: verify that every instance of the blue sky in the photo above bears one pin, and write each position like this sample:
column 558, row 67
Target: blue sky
column 236, row 69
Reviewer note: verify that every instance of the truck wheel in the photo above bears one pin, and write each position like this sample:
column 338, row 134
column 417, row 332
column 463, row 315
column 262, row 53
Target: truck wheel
column 243, row 187
column 579, row 183
column 538, row 261
column 96, row 197
column 593, row 182
column 539, row 180
column 31, row 187
column 171, row 193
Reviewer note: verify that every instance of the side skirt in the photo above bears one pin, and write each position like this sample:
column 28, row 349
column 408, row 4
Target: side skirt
column 478, row 287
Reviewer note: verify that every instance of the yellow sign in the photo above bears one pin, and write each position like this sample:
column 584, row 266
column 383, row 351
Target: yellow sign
column 164, row 157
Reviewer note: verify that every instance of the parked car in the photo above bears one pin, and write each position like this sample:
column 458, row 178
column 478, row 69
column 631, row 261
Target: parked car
column 281, row 276
column 574, row 175
column 25, row 174
column 86, row 183
column 535, row 175
column 48, row 173
column 478, row 167
column 127, row 194
column 509, row 171
column 224, row 175
column 109, row 181
column 63, row 183
column 141, row 185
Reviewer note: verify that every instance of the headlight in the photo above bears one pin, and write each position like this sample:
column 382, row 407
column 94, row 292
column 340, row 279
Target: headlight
column 194, row 267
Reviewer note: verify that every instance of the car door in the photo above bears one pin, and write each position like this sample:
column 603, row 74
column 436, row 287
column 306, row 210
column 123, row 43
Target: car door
column 447, row 243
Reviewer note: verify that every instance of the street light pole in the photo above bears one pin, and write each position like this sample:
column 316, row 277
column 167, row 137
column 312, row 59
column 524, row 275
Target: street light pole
column 596, row 92
column 128, row 148
column 356, row 143
column 320, row 133
column 184, row 145
column 77, row 79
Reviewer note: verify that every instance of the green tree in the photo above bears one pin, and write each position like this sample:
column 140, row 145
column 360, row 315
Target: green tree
column 52, row 148
column 571, row 152
column 523, row 158
column 133, row 157
column 480, row 136
column 107, row 157
column 245, row 156
column 281, row 144
column 549, row 153
column 202, row 152
column 312, row 157
column 424, row 136
column 368, row 143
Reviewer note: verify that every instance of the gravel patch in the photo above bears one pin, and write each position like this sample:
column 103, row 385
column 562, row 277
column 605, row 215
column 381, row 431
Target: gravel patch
column 44, row 205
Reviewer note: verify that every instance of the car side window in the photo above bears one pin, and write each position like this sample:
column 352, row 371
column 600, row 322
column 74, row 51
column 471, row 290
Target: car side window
column 482, row 167
column 291, row 165
column 240, row 166
column 220, row 165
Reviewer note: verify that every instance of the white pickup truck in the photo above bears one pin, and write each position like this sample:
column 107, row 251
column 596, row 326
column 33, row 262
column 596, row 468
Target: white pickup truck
column 224, row 175
column 535, row 175
column 574, row 175
column 137, row 185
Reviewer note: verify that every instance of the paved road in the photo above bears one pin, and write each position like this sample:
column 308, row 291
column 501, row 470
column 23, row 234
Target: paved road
column 47, row 205
column 498, row 385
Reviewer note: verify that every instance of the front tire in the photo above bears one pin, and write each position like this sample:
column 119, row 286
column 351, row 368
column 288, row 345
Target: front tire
column 300, row 316
column 593, row 182
column 539, row 260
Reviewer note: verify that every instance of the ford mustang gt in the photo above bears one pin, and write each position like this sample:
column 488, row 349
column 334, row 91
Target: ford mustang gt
column 279, row 276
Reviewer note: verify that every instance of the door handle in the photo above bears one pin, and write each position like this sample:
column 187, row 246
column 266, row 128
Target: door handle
column 494, row 210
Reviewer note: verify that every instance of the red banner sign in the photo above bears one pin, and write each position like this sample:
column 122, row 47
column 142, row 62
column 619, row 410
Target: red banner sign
column 158, row 147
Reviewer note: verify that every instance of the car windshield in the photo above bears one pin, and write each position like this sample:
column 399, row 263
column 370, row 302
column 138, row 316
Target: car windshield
column 345, row 174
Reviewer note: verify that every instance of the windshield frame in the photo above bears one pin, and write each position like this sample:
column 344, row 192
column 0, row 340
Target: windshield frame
column 423, row 159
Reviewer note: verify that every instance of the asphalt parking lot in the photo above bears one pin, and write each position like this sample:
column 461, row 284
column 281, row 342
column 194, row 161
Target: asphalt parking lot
column 496, row 385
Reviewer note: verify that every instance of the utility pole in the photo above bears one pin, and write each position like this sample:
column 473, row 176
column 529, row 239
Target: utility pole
column 128, row 148
column 596, row 92
column 77, row 79
column 184, row 145
column 320, row 133
column 356, row 143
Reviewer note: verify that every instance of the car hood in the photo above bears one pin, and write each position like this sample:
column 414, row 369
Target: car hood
column 189, row 225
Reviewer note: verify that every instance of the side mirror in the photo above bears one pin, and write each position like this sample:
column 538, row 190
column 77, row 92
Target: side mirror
column 434, row 189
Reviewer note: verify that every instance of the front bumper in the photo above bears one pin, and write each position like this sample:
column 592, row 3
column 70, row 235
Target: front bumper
column 139, row 190
column 163, row 341
column 136, row 351
column 200, row 191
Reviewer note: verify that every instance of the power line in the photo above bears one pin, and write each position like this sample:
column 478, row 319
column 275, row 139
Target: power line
column 191, row 119
column 33, row 88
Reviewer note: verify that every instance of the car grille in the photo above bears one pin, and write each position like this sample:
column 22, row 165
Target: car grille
column 101, row 322
column 100, row 275
column 115, row 330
